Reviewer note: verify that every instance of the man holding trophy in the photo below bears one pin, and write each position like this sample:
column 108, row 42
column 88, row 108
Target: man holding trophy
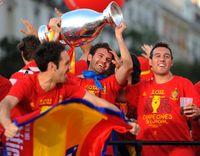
column 100, row 55
column 99, row 60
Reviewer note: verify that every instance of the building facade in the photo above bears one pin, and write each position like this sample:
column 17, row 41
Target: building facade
column 175, row 22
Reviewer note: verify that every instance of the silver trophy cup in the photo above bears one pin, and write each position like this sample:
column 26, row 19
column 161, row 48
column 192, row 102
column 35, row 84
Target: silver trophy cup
column 82, row 26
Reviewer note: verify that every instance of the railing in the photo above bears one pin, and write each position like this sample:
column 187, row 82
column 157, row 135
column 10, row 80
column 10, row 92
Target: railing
column 139, row 143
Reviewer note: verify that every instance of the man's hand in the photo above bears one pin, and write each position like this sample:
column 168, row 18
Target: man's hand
column 55, row 27
column 29, row 28
column 191, row 110
column 58, row 12
column 11, row 130
column 120, row 29
column 146, row 50
column 116, row 61
column 135, row 127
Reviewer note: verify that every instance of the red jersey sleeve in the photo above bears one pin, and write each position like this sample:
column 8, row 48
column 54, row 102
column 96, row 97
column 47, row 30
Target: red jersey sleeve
column 190, row 91
column 197, row 87
column 5, row 86
column 21, row 89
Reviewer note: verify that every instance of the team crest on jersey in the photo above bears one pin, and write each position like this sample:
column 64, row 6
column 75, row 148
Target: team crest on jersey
column 174, row 94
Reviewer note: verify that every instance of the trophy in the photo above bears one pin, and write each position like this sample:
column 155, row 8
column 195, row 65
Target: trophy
column 82, row 26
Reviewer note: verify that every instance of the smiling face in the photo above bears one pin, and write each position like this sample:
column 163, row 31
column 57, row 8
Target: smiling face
column 100, row 61
column 161, row 61
column 63, row 67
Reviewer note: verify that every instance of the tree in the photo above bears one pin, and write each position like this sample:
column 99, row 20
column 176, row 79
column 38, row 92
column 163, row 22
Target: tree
column 139, row 38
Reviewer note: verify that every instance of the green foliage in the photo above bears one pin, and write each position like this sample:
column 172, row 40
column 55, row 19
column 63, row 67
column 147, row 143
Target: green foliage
column 189, row 71
column 139, row 38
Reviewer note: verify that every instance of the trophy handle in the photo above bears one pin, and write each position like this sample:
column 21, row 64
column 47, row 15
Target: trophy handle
column 113, row 14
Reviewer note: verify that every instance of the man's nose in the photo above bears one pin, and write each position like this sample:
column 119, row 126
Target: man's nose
column 162, row 58
column 103, row 59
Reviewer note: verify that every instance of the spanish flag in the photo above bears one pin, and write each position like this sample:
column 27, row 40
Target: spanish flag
column 74, row 127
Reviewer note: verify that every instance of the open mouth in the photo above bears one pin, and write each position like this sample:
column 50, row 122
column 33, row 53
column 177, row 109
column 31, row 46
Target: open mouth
column 161, row 65
column 101, row 66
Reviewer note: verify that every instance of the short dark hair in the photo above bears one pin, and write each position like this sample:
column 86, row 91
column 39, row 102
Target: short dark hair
column 28, row 47
column 160, row 44
column 48, row 52
column 136, row 69
column 94, row 48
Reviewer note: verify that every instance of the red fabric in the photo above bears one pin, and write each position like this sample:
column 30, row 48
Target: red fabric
column 69, row 133
column 19, row 110
column 109, row 93
column 196, row 135
column 35, row 96
column 196, row 125
column 182, row 151
column 110, row 85
column 30, row 68
column 159, row 114
column 72, row 57
column 97, row 5
column 99, row 134
column 197, row 87
column 21, row 143
column 146, row 72
column 70, row 52
column 5, row 86
column 80, row 66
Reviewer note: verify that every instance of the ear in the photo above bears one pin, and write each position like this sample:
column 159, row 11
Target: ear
column 150, row 62
column 51, row 66
column 89, row 58
column 172, row 63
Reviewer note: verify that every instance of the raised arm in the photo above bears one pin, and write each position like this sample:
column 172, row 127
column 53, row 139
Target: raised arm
column 146, row 50
column 85, row 49
column 103, row 103
column 99, row 102
column 6, row 106
column 29, row 28
column 126, row 68
column 55, row 28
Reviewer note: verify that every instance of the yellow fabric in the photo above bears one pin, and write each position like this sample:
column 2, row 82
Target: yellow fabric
column 145, row 72
column 64, row 121
column 50, row 35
